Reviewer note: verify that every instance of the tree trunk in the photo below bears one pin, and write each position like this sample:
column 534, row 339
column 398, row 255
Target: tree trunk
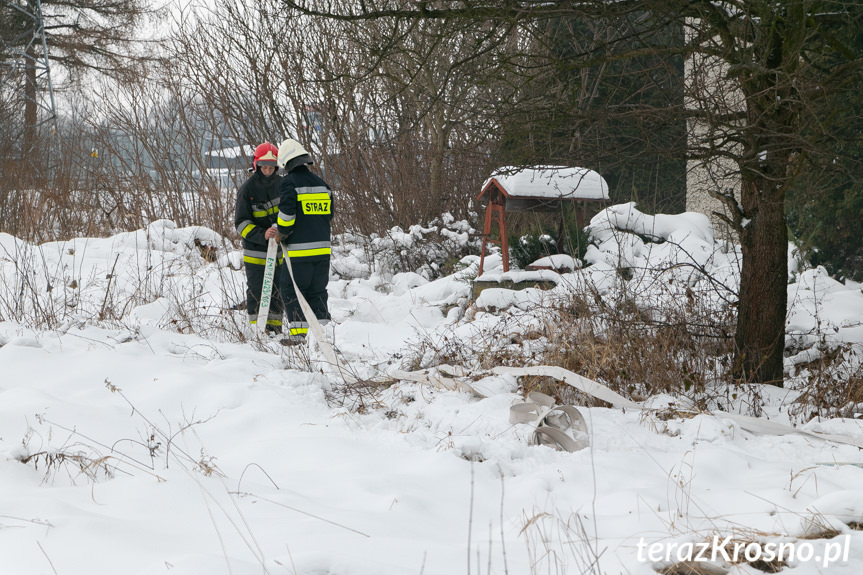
column 30, row 106
column 760, row 335
column 773, row 113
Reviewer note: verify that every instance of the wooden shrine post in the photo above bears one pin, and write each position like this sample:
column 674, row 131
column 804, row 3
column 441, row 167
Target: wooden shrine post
column 495, row 212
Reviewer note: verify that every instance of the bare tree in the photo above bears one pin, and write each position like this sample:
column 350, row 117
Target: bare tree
column 400, row 135
column 152, row 153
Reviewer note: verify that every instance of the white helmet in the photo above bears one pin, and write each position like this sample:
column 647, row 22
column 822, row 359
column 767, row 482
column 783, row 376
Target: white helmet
column 292, row 150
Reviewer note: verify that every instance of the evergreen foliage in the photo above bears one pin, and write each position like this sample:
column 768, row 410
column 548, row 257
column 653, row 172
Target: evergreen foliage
column 594, row 108
column 825, row 206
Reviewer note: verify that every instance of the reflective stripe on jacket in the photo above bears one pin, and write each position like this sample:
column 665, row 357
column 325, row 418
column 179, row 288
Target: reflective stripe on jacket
column 304, row 214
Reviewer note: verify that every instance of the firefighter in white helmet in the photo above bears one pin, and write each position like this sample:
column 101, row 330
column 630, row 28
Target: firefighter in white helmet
column 305, row 212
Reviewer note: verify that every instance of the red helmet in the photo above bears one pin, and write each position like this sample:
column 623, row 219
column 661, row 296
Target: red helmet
column 265, row 155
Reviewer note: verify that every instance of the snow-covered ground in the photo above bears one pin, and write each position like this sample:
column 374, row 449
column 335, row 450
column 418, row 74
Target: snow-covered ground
column 139, row 434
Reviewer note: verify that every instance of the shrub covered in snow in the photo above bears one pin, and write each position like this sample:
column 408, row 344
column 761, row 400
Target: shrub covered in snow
column 431, row 251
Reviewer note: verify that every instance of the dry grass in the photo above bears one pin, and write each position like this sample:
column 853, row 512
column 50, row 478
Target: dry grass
column 832, row 385
column 75, row 463
column 692, row 568
column 637, row 352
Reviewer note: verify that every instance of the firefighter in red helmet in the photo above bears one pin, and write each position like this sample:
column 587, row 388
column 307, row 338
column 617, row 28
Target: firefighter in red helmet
column 257, row 210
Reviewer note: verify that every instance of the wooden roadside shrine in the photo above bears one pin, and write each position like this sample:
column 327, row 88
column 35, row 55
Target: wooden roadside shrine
column 536, row 189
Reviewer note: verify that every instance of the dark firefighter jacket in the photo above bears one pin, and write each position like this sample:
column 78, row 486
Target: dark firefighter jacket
column 257, row 209
column 305, row 211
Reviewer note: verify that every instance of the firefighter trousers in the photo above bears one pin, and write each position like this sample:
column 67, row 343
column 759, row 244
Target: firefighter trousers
column 311, row 278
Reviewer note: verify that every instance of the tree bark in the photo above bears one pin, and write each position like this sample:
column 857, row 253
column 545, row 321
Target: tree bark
column 759, row 338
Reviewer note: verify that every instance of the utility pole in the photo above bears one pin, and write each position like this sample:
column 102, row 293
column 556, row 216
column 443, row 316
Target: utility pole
column 27, row 55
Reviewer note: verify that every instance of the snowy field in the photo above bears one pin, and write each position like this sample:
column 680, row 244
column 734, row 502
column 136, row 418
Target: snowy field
column 140, row 434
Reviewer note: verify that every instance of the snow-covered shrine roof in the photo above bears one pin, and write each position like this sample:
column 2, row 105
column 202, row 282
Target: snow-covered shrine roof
column 556, row 182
